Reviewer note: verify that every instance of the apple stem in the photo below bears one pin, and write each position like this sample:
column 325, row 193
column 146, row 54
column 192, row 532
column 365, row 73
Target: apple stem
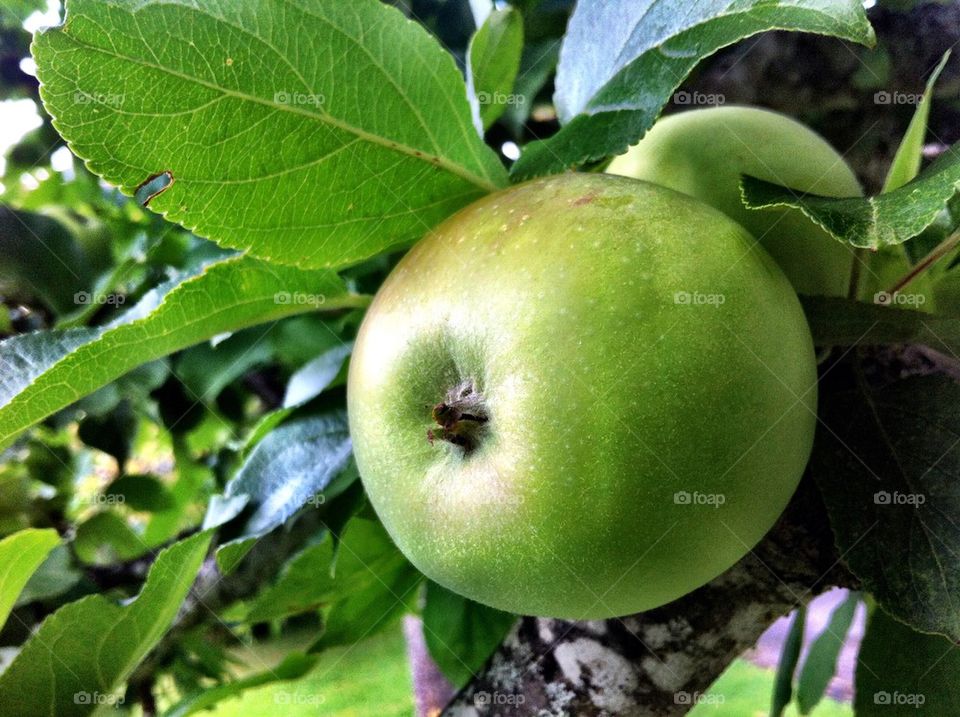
column 460, row 416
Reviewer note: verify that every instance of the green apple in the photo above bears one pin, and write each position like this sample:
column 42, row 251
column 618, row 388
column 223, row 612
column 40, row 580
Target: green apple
column 703, row 153
column 582, row 397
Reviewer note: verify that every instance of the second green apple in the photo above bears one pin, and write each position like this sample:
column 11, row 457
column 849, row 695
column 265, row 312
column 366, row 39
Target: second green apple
column 703, row 152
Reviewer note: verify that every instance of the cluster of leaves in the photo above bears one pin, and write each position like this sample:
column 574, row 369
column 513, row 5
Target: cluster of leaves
column 172, row 381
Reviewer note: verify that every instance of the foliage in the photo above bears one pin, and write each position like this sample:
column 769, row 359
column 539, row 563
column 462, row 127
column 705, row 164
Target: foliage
column 178, row 311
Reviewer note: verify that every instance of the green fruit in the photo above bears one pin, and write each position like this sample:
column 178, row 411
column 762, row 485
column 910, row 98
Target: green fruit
column 703, row 153
column 582, row 397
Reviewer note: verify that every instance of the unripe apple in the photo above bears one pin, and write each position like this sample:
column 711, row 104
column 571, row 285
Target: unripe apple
column 703, row 153
column 582, row 397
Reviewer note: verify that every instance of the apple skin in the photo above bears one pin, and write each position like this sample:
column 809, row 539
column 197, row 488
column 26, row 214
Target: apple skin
column 703, row 153
column 605, row 395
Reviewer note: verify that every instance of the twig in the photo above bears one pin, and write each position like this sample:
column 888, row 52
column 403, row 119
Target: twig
column 935, row 255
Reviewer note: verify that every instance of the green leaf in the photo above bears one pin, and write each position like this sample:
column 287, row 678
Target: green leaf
column 376, row 586
column 368, row 679
column 610, row 91
column 904, row 673
column 870, row 222
column 493, row 60
column 20, row 555
column 16, row 11
column 821, row 663
column 191, row 477
column 105, row 538
column 292, row 667
column 290, row 466
column 230, row 555
column 906, row 162
column 787, row 664
column 134, row 386
column 83, row 652
column 310, row 380
column 329, row 571
column 112, row 432
column 310, row 133
column 886, row 461
column 537, row 64
column 53, row 578
column 206, row 369
column 40, row 259
column 460, row 633
column 841, row 322
column 141, row 492
column 46, row 371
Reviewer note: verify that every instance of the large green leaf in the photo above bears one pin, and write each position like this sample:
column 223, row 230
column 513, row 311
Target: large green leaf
column 314, row 133
column 46, row 371
column 610, row 90
column 905, row 673
column 460, row 633
column 886, row 461
column 82, row 653
column 870, row 222
column 20, row 555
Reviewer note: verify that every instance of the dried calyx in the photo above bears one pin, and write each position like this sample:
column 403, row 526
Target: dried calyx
column 460, row 417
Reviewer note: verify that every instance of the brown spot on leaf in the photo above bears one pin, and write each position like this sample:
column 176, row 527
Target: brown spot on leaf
column 152, row 186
